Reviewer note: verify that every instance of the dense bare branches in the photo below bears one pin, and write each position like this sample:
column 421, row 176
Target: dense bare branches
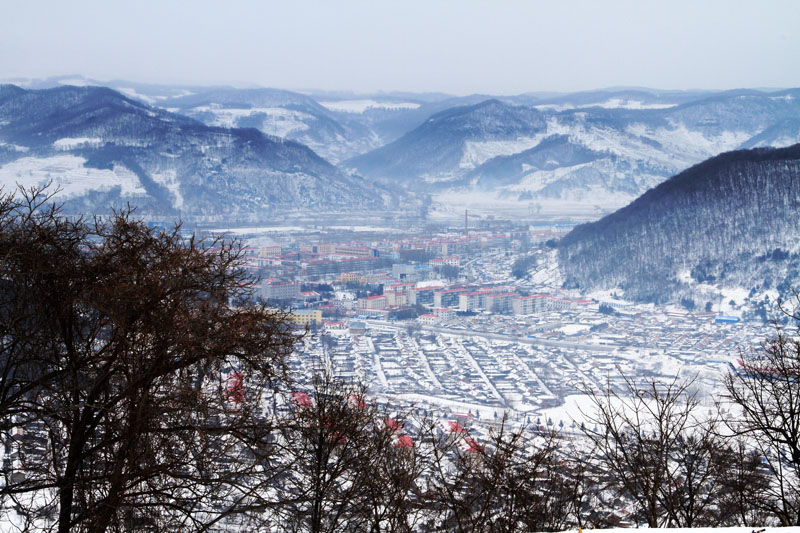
column 118, row 346
column 659, row 450
column 765, row 392
column 515, row 481
column 346, row 465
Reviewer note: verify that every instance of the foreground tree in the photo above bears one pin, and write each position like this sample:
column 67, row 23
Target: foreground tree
column 346, row 466
column 659, row 451
column 133, row 389
column 765, row 392
column 509, row 483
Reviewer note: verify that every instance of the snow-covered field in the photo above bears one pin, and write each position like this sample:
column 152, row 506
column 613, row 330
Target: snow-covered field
column 367, row 229
column 260, row 229
column 68, row 173
column 450, row 205
column 275, row 120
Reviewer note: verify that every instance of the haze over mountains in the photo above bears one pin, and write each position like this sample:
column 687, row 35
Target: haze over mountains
column 563, row 150
column 105, row 150
column 195, row 151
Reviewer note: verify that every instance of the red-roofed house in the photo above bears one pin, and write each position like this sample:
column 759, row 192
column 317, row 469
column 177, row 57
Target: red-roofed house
column 301, row 399
column 404, row 441
column 429, row 319
column 393, row 425
column 455, row 427
column 472, row 446
column 235, row 388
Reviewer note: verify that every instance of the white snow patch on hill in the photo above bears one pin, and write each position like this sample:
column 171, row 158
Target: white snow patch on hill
column 68, row 143
column 359, row 106
column 169, row 179
column 693, row 146
column 780, row 142
column 478, row 152
column 539, row 179
column 15, row 147
column 621, row 103
column 68, row 173
column 129, row 91
column 276, row 121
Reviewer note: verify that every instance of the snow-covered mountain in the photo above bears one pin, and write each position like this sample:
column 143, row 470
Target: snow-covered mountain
column 601, row 148
column 577, row 155
column 729, row 223
column 104, row 149
column 280, row 113
column 454, row 139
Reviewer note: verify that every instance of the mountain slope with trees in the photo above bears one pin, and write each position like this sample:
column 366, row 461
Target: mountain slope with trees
column 731, row 221
column 280, row 113
column 105, row 150
column 603, row 148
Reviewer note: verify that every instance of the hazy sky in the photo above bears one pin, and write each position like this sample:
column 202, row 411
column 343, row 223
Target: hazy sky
column 458, row 47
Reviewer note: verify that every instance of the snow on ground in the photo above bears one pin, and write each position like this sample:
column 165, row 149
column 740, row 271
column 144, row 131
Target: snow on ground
column 478, row 152
column 482, row 411
column 131, row 92
column 580, row 408
column 621, row 103
column 679, row 146
column 359, row 106
column 736, row 294
column 780, row 142
column 612, row 103
column 366, row 229
column 693, row 145
column 69, row 174
column 68, row 143
column 575, row 407
column 169, row 179
column 539, row 179
column 275, row 120
column 15, row 147
column 431, row 283
column 605, row 295
column 574, row 329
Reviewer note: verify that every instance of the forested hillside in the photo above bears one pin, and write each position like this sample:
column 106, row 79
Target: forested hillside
column 731, row 221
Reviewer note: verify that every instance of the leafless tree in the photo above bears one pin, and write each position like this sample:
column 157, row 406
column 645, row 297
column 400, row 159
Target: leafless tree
column 765, row 391
column 132, row 390
column 659, row 452
column 341, row 471
column 512, row 482
column 744, row 497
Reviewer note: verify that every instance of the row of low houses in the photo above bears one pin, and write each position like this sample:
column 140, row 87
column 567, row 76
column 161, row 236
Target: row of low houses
column 495, row 300
column 398, row 295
